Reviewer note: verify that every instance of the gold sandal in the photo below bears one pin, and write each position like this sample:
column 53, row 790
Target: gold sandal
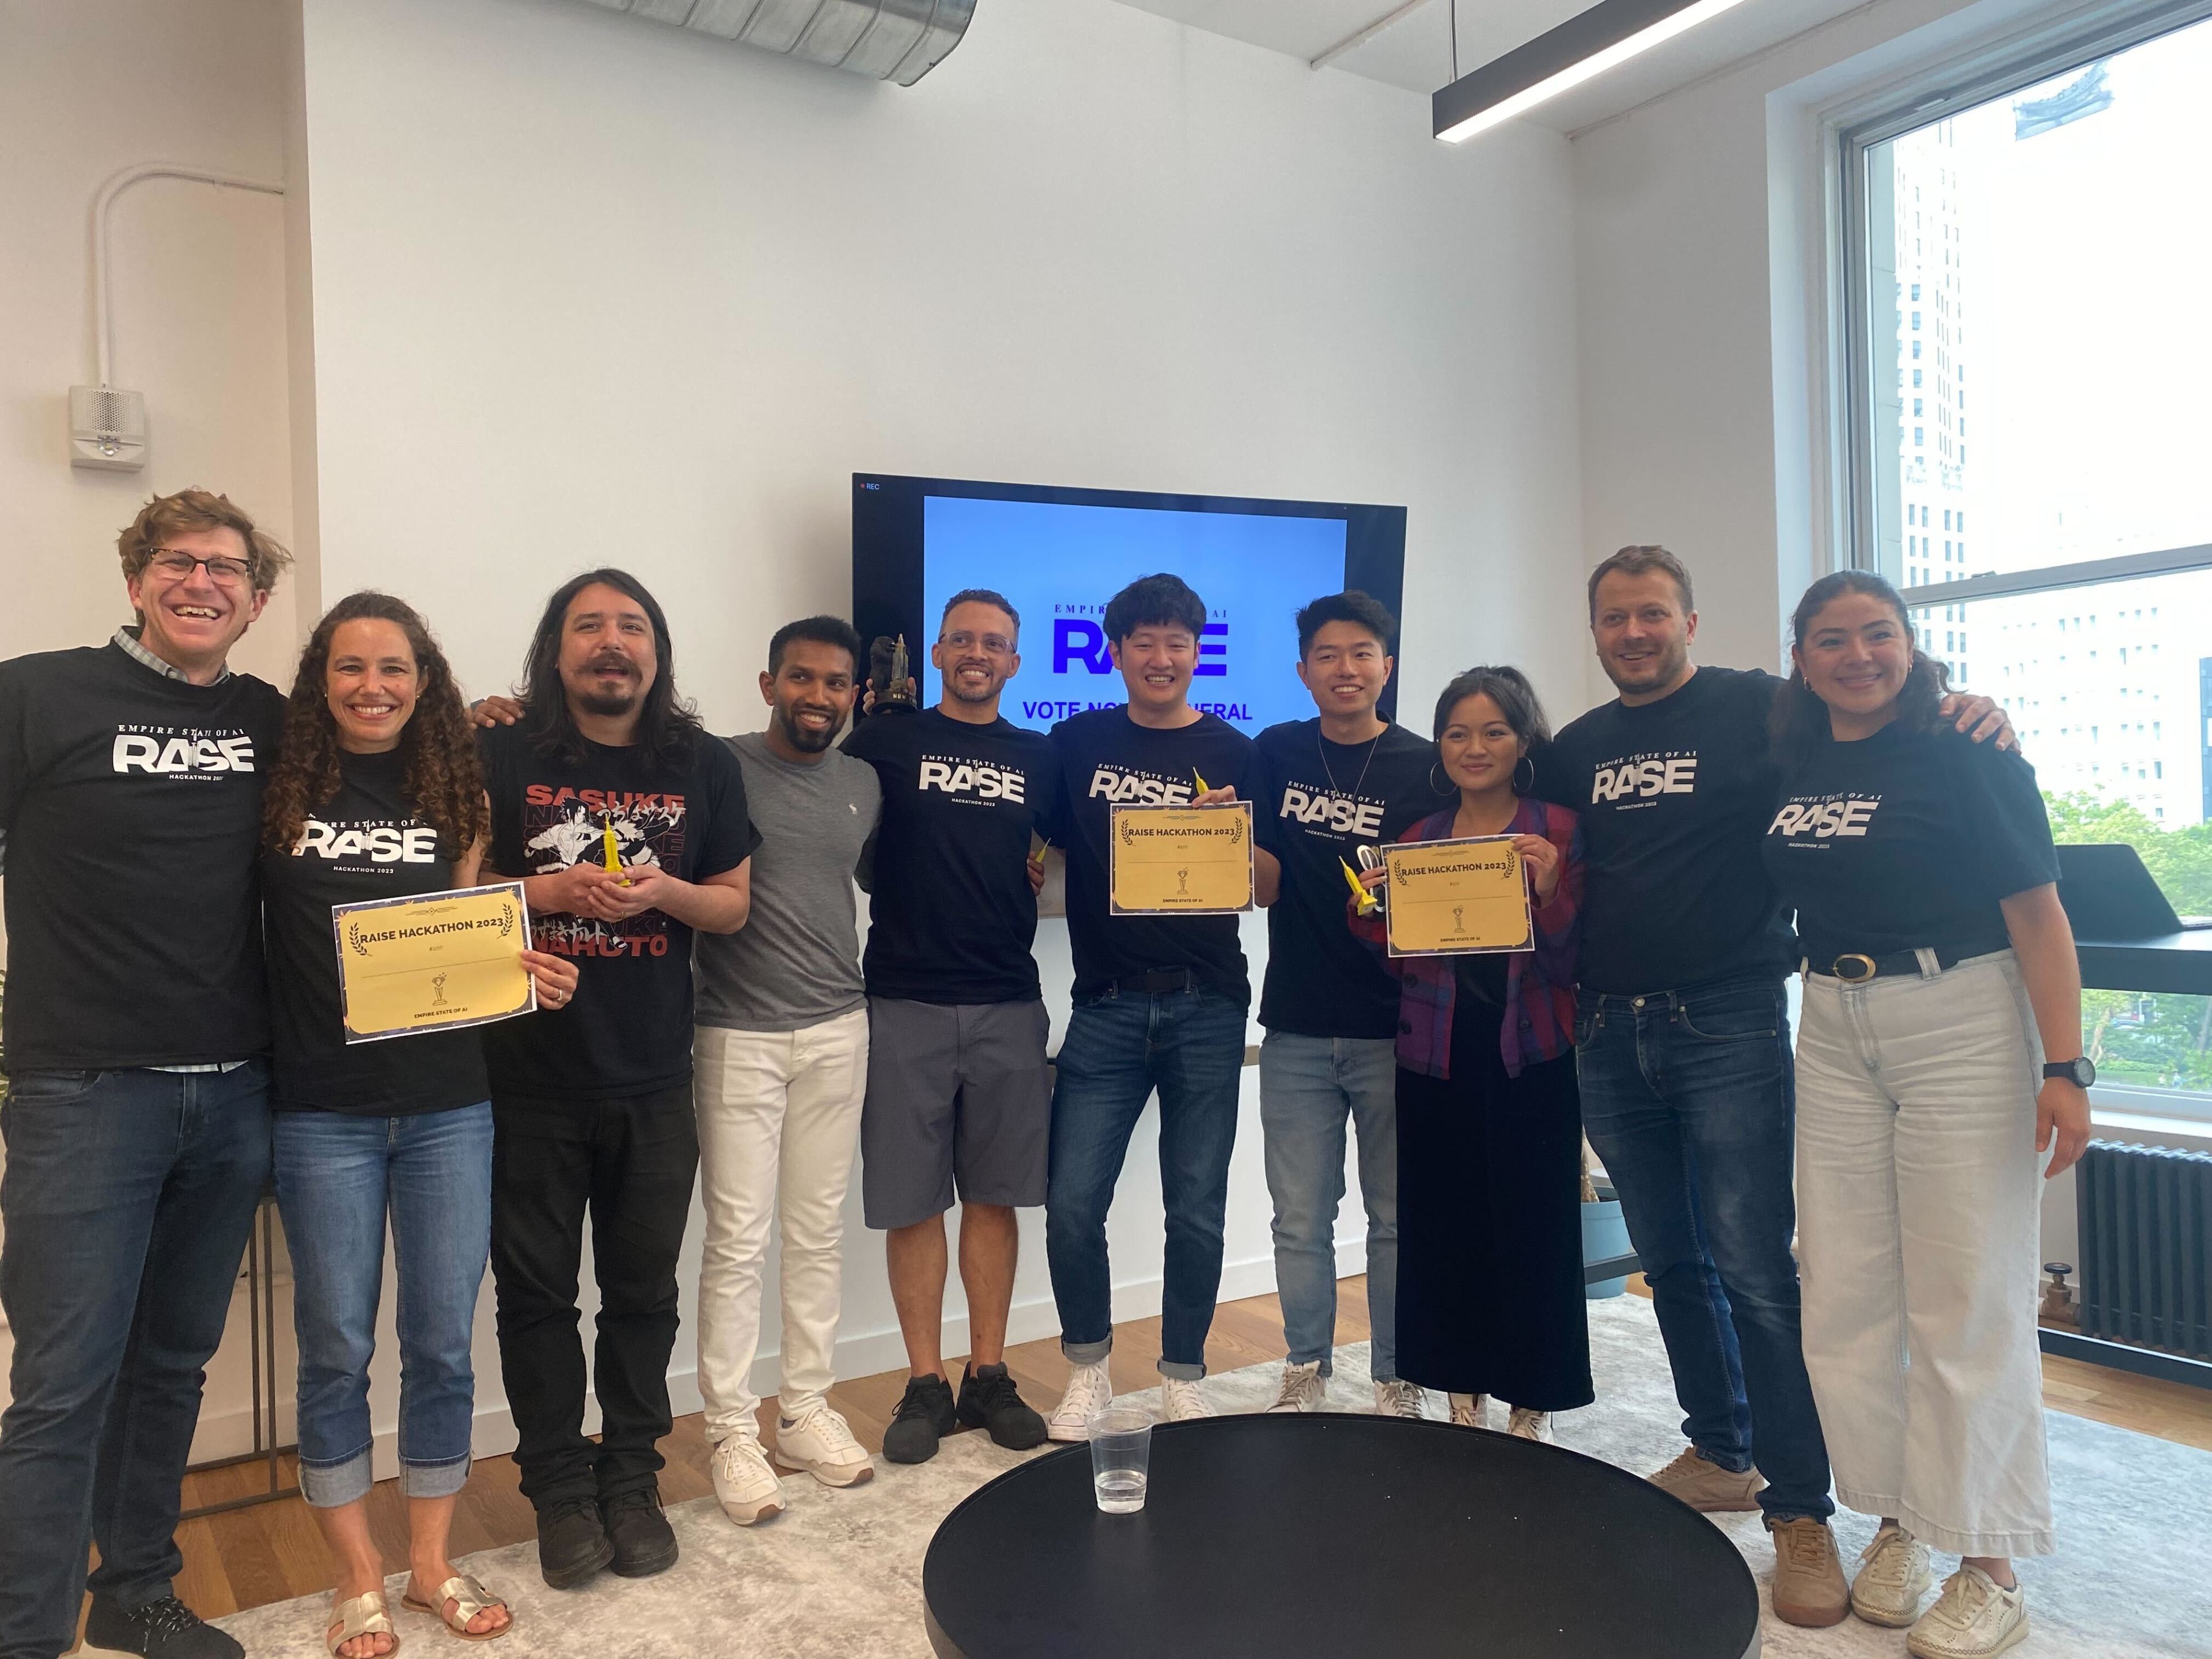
column 364, row 1615
column 469, row 1598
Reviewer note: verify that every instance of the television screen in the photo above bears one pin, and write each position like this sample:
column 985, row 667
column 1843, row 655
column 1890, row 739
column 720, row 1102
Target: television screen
column 1057, row 555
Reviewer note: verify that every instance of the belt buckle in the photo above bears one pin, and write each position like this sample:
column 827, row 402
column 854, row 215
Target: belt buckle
column 1854, row 968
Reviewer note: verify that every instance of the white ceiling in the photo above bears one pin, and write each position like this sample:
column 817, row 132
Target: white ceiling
column 1415, row 52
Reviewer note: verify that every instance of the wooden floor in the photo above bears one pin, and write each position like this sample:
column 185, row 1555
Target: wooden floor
column 271, row 1553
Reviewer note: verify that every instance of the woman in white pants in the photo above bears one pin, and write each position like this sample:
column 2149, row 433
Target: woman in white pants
column 1939, row 1057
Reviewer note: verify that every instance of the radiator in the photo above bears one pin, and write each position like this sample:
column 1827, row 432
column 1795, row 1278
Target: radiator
column 2145, row 1224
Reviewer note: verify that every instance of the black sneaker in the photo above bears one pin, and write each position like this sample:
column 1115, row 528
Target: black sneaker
column 166, row 1629
column 989, row 1400
column 572, row 1542
column 644, row 1542
column 925, row 1416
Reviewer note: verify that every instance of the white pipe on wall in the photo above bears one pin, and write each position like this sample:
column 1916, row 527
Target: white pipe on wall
column 103, row 325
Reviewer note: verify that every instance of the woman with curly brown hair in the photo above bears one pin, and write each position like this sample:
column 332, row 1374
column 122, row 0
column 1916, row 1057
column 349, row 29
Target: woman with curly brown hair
column 377, row 794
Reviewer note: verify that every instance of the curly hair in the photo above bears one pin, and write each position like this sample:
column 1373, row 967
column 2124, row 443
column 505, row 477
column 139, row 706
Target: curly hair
column 445, row 780
column 200, row 509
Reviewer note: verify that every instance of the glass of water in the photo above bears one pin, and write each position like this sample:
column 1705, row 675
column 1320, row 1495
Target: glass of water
column 1121, row 1457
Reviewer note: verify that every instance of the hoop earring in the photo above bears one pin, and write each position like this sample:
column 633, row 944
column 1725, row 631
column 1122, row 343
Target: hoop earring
column 1442, row 786
column 1529, row 761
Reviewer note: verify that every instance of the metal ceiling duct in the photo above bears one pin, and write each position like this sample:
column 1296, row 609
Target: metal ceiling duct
column 899, row 40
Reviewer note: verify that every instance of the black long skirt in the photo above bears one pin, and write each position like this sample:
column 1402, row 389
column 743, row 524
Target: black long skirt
column 1490, row 1242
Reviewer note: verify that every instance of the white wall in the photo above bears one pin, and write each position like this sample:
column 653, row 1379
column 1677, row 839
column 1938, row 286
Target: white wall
column 586, row 289
column 198, row 301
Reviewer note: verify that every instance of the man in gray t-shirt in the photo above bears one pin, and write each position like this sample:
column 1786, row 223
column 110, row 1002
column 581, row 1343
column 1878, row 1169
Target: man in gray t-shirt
column 779, row 1064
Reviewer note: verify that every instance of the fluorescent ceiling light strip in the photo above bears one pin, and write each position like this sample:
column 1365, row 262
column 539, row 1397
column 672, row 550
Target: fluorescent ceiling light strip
column 1595, row 64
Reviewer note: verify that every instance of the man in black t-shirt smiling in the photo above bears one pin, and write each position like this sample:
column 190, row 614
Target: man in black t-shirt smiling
column 591, row 1101
column 1344, row 780
column 137, row 1109
column 1160, row 1001
column 958, row 1090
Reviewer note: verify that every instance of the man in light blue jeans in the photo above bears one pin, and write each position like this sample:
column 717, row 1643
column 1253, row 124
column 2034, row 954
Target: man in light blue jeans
column 1331, row 785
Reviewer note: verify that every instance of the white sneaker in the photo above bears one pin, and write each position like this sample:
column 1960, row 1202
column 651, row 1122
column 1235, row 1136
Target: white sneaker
column 1304, row 1389
column 1089, row 1390
column 1524, row 1425
column 1893, row 1577
column 1973, row 1619
column 1181, row 1401
column 1399, row 1397
column 820, row 1442
column 1467, row 1410
column 744, row 1484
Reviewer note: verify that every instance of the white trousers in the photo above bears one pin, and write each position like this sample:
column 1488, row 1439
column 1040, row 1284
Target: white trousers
column 1919, row 1196
column 779, row 1125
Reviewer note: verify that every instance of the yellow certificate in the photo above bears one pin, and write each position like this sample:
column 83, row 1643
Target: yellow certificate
column 1457, row 898
column 1182, row 861
column 433, row 962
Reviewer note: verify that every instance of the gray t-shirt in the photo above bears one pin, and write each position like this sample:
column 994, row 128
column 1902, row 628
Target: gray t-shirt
column 797, row 960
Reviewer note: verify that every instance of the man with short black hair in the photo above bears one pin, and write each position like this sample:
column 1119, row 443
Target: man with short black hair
column 783, row 1061
column 592, row 1101
column 959, row 1095
column 138, row 1108
column 1346, row 779
column 1160, row 1002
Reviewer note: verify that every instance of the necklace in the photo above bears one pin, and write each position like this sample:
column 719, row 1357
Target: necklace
column 1321, row 749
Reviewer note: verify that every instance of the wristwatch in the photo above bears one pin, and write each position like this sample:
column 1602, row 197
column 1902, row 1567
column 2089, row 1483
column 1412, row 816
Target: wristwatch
column 2079, row 1071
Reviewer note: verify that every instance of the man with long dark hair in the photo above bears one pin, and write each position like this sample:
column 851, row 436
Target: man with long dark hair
column 630, row 828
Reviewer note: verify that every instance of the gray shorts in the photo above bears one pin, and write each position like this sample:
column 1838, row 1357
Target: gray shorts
column 956, row 1092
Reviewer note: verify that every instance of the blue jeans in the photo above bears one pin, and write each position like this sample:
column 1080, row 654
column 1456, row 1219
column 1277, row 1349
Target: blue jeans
column 1119, row 1047
column 1688, row 1097
column 128, row 1198
column 337, row 1176
column 1309, row 1086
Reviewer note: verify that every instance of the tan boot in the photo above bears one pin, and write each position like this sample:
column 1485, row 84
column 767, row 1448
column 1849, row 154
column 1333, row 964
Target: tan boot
column 1704, row 1484
column 1808, row 1578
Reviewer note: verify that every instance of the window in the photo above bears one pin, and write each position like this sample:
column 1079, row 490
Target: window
column 2061, row 169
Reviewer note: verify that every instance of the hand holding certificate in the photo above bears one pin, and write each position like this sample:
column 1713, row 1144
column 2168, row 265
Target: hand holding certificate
column 433, row 962
column 1182, row 861
column 1457, row 898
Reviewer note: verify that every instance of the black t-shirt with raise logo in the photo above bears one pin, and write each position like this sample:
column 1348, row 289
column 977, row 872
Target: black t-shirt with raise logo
column 1674, row 797
column 1907, row 839
column 950, row 915
column 1318, row 802
column 1107, row 760
column 364, row 843
column 131, row 804
column 628, row 1030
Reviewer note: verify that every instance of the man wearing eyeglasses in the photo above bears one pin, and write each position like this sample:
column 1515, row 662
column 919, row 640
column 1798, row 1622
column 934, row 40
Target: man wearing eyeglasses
column 958, row 1097
column 136, row 1118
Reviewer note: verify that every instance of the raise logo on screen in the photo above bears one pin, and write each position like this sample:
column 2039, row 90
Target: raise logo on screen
column 1079, row 643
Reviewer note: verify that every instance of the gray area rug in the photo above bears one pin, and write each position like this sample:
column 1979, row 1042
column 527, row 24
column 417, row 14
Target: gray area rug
column 839, row 1574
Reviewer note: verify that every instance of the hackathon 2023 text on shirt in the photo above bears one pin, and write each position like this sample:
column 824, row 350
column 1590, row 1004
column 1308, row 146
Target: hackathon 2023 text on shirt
column 1107, row 760
column 1904, row 840
column 131, row 804
column 1319, row 803
column 628, row 1030
column 1675, row 797
column 364, row 843
column 951, row 918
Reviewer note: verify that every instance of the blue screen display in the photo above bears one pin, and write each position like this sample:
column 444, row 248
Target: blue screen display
column 1059, row 562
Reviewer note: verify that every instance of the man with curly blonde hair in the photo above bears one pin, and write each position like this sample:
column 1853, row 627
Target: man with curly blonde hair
column 137, row 1037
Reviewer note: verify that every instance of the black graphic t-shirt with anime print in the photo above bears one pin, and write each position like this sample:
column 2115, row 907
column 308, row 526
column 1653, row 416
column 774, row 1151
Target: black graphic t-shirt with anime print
column 628, row 1030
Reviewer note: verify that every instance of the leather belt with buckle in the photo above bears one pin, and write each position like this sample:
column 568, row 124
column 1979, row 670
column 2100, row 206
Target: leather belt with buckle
column 1858, row 968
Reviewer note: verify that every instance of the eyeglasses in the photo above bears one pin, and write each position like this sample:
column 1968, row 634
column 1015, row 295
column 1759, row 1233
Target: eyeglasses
column 997, row 645
column 177, row 564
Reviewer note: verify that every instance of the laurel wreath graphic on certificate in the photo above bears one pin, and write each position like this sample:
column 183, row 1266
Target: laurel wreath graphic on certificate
column 1181, row 860
column 433, row 962
column 1457, row 898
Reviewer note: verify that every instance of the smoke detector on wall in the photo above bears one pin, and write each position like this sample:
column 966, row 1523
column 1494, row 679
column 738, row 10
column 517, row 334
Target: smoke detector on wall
column 107, row 428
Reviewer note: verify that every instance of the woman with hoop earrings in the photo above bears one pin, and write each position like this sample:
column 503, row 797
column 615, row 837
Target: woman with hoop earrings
column 1490, row 1243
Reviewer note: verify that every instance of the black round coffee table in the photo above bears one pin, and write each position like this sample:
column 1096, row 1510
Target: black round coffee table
column 1339, row 1535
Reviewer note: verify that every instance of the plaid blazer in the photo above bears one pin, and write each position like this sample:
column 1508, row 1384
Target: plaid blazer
column 1540, row 984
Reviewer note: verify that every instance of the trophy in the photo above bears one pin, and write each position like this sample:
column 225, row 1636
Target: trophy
column 888, row 676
